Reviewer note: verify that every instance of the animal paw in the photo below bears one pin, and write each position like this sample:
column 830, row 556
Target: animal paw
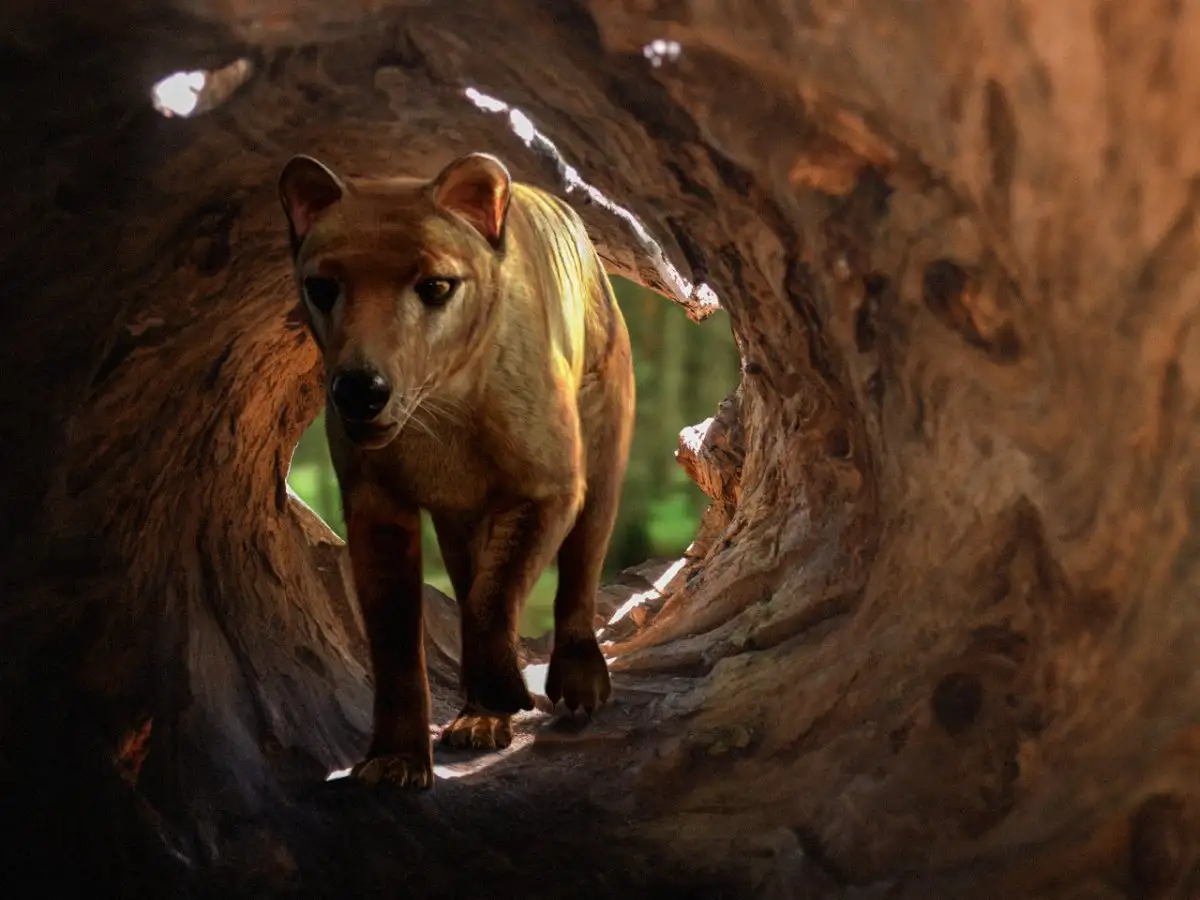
column 405, row 770
column 478, row 730
column 579, row 676
column 499, row 688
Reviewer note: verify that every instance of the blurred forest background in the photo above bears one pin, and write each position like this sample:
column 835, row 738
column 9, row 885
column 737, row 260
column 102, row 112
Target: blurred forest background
column 683, row 371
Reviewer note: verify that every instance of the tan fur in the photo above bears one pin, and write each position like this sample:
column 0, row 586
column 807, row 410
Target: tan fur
column 509, row 420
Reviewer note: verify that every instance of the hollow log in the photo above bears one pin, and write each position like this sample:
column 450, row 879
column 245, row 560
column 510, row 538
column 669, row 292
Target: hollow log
column 946, row 644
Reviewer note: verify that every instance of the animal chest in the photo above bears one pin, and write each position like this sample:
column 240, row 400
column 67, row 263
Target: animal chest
column 441, row 469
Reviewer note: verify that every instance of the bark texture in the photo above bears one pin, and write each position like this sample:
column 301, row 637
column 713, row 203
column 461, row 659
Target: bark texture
column 945, row 643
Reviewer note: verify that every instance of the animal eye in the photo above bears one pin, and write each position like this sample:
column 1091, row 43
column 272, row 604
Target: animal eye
column 436, row 291
column 322, row 293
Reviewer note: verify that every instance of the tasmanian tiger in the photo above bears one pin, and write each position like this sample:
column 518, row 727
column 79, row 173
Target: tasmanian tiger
column 478, row 367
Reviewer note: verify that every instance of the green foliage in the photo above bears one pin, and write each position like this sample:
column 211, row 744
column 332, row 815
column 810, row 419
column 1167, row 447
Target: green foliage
column 671, row 521
column 682, row 372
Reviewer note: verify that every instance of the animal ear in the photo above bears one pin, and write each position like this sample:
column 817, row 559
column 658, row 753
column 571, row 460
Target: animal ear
column 478, row 188
column 306, row 189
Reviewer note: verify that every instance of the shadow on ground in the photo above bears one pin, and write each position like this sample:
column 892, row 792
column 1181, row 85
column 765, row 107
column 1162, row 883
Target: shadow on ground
column 523, row 827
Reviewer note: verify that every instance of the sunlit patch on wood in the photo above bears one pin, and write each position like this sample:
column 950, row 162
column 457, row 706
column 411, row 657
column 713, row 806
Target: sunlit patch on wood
column 186, row 94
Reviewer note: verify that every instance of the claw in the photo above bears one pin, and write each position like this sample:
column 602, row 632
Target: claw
column 399, row 769
column 475, row 729
column 579, row 676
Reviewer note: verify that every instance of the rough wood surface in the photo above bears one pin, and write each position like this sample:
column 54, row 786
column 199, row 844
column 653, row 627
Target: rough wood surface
column 712, row 453
column 946, row 646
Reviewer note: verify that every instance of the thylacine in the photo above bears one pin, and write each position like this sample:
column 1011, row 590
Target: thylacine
column 477, row 366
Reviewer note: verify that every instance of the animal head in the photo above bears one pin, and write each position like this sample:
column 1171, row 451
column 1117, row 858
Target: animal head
column 399, row 279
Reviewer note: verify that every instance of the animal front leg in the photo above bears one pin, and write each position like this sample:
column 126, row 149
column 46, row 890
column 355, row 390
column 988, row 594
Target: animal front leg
column 385, row 556
column 520, row 540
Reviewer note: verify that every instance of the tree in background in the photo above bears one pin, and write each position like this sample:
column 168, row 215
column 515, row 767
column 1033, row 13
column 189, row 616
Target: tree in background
column 683, row 370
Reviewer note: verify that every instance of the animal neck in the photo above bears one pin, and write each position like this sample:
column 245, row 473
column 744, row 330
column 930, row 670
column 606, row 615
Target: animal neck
column 511, row 336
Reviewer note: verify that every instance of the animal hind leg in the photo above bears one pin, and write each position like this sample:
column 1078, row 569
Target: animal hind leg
column 578, row 673
column 454, row 535
column 473, row 728
column 514, row 547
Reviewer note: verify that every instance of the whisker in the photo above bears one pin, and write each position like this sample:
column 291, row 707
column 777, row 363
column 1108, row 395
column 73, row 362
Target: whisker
column 414, row 401
column 425, row 427
column 458, row 406
column 406, row 412
column 439, row 410
column 447, row 408
column 435, row 408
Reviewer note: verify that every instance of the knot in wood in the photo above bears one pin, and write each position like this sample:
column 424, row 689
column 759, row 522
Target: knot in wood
column 957, row 700
column 945, row 283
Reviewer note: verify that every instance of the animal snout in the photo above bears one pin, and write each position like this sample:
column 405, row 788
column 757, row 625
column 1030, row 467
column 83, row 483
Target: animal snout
column 360, row 394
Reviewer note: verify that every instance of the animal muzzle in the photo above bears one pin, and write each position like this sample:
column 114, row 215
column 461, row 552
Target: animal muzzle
column 360, row 394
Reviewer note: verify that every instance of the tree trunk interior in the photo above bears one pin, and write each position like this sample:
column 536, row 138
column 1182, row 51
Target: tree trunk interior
column 938, row 635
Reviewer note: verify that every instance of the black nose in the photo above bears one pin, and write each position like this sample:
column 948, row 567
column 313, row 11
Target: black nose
column 360, row 394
